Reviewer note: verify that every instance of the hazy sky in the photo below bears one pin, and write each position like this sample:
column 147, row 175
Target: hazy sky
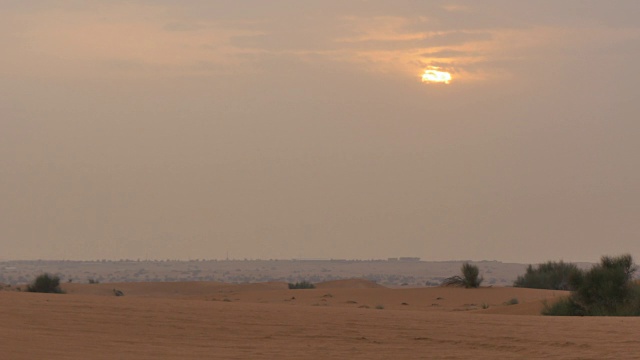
column 298, row 129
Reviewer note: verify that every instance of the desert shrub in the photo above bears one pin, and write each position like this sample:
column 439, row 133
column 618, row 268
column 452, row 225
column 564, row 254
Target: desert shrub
column 470, row 277
column 302, row 285
column 563, row 307
column 512, row 301
column 550, row 275
column 607, row 289
column 45, row 283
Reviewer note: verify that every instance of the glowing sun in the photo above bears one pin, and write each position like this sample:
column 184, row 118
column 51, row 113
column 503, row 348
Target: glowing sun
column 432, row 75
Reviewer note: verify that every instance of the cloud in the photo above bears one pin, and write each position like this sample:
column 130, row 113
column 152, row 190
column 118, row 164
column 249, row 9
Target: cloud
column 52, row 42
column 455, row 8
column 208, row 38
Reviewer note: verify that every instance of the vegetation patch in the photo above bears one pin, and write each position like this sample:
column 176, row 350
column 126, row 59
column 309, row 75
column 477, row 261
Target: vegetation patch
column 550, row 275
column 607, row 289
column 45, row 283
column 512, row 301
column 302, row 285
column 470, row 277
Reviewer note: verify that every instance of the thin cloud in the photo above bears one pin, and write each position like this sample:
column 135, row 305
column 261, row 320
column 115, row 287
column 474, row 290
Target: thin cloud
column 455, row 8
column 125, row 38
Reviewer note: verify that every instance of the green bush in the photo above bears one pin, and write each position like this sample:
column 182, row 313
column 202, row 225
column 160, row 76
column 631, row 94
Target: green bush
column 45, row 283
column 470, row 277
column 550, row 275
column 607, row 289
column 302, row 285
column 563, row 307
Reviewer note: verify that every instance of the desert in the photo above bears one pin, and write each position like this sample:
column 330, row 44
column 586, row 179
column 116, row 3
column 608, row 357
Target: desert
column 355, row 319
column 287, row 179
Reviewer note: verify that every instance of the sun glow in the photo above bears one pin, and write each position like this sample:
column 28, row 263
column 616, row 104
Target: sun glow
column 433, row 75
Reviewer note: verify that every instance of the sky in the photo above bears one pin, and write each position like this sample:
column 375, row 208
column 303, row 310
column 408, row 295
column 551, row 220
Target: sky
column 191, row 129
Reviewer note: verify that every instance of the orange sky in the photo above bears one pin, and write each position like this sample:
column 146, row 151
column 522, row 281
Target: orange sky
column 288, row 129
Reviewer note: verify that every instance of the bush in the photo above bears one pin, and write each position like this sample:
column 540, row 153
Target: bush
column 302, row 285
column 563, row 307
column 550, row 275
column 512, row 301
column 469, row 279
column 45, row 283
column 607, row 289
column 471, row 276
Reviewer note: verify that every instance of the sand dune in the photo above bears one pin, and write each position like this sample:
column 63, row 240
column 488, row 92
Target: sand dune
column 269, row 321
column 342, row 293
column 169, row 289
column 350, row 284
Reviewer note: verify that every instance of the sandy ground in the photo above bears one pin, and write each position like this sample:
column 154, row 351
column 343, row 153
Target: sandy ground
column 350, row 319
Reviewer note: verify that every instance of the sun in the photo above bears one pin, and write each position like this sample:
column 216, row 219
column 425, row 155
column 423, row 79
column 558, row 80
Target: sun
column 433, row 75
